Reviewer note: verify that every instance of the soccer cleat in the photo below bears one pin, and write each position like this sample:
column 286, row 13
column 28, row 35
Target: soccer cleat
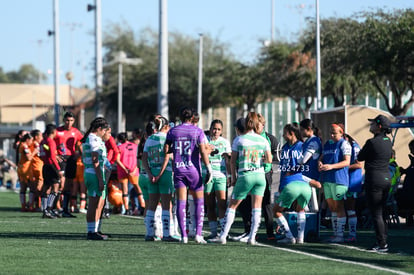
column 105, row 235
column 299, row 241
column 244, row 239
column 200, row 239
column 67, row 215
column 170, row 239
column 184, row 240
column 237, row 238
column 219, row 240
column 56, row 213
column 95, row 236
column 378, row 248
column 47, row 214
column 337, row 239
column 350, row 239
column 150, row 238
column 83, row 211
column 287, row 241
column 251, row 242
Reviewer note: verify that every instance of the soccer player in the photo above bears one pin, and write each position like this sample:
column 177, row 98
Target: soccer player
column 186, row 142
column 355, row 187
column 67, row 138
column 216, row 189
column 333, row 165
column 249, row 153
column 311, row 148
column 293, row 185
column 152, row 159
column 128, row 172
column 95, row 161
column 23, row 170
column 36, row 181
column 50, row 170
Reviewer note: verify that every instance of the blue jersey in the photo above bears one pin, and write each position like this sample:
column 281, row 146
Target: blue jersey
column 312, row 145
column 289, row 165
column 355, row 175
column 334, row 152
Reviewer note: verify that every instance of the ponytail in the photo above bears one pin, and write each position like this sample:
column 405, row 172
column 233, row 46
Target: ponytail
column 97, row 123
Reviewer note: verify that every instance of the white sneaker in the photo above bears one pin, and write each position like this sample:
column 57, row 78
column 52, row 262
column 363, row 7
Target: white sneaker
column 83, row 211
column 287, row 241
column 299, row 241
column 200, row 239
column 184, row 240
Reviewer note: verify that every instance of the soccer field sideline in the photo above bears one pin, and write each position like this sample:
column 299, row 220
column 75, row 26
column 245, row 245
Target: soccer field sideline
column 23, row 235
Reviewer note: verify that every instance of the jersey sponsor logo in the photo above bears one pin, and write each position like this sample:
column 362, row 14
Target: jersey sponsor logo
column 181, row 164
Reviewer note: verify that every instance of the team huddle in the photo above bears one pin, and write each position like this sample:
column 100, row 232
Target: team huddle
column 180, row 169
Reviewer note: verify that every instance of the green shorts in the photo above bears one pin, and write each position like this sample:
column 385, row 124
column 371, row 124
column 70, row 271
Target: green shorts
column 165, row 184
column 144, row 183
column 299, row 191
column 334, row 191
column 255, row 183
column 217, row 184
column 92, row 185
column 350, row 194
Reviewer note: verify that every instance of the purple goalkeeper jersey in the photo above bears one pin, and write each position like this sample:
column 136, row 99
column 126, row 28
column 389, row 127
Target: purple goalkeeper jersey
column 184, row 140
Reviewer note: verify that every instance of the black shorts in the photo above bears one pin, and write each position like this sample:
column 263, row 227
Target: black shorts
column 50, row 175
column 70, row 169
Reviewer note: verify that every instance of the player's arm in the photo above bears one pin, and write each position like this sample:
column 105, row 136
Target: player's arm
column 146, row 165
column 233, row 167
column 167, row 148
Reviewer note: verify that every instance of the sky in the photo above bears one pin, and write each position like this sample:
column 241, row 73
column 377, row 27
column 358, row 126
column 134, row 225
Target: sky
column 243, row 24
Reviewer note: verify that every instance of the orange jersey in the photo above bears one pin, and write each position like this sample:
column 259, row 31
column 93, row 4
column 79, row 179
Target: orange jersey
column 23, row 168
column 37, row 163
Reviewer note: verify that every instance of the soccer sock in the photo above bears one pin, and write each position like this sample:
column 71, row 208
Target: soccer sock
column 31, row 199
column 44, row 202
column 91, row 226
column 125, row 198
column 341, row 226
column 165, row 223
column 158, row 221
column 98, row 225
column 174, row 220
column 213, row 227
column 284, row 226
column 229, row 219
column 106, row 207
column 191, row 209
column 181, row 216
column 83, row 203
column 51, row 200
column 199, row 215
column 352, row 222
column 334, row 220
column 23, row 199
column 301, row 222
column 256, row 215
column 149, row 223
column 222, row 222
column 56, row 200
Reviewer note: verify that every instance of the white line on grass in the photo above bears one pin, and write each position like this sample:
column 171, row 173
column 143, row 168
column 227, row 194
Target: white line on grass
column 335, row 260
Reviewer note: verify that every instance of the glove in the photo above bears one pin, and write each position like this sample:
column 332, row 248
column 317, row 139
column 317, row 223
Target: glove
column 209, row 175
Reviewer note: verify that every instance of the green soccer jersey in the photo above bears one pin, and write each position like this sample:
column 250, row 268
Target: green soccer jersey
column 93, row 143
column 251, row 149
column 154, row 147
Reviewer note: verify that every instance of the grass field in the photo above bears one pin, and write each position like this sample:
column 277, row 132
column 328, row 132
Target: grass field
column 32, row 245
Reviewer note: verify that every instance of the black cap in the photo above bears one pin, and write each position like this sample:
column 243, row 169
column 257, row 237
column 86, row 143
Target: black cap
column 381, row 120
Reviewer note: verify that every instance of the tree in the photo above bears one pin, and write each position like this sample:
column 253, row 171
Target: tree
column 27, row 73
column 290, row 72
column 140, row 82
column 387, row 51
